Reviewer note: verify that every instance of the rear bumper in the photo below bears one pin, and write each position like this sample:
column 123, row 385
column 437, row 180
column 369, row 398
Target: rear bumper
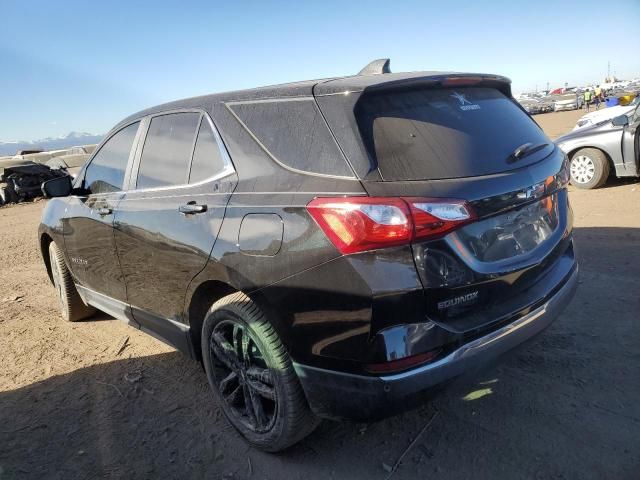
column 334, row 394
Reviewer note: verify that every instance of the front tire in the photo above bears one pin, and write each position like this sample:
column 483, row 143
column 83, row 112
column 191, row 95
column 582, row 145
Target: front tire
column 589, row 168
column 72, row 307
column 252, row 375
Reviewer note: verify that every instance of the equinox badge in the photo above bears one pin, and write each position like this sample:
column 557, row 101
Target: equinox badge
column 469, row 297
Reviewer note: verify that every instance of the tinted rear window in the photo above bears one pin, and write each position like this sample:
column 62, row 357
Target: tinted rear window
column 445, row 133
column 167, row 150
column 295, row 134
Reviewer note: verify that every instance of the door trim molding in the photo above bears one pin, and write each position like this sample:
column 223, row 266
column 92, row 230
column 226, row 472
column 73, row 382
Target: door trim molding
column 174, row 334
column 108, row 305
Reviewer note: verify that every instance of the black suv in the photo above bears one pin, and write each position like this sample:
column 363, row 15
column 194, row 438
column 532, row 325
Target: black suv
column 328, row 248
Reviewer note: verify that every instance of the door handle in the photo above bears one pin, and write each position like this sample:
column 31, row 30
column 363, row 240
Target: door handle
column 191, row 208
column 104, row 211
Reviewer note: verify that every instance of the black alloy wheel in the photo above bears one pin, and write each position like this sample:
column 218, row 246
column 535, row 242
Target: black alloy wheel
column 252, row 375
column 242, row 376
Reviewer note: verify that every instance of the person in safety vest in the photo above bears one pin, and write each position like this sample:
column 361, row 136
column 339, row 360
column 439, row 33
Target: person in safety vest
column 587, row 99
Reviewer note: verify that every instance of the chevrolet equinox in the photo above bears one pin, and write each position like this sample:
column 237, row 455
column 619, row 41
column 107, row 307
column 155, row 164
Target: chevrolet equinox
column 327, row 249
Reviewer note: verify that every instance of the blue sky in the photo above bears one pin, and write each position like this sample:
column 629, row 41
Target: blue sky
column 85, row 65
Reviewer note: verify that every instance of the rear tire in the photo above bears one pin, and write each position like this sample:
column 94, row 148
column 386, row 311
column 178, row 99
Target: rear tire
column 589, row 168
column 72, row 307
column 252, row 376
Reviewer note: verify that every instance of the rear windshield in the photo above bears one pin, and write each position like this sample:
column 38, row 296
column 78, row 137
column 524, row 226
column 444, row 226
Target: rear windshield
column 446, row 133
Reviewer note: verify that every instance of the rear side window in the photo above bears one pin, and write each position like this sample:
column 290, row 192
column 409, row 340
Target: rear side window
column 446, row 133
column 105, row 173
column 295, row 134
column 207, row 159
column 167, row 150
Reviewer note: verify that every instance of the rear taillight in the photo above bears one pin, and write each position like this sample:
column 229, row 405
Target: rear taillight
column 437, row 217
column 356, row 224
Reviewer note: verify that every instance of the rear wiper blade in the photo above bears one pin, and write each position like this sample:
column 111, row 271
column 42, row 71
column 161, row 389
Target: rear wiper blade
column 524, row 150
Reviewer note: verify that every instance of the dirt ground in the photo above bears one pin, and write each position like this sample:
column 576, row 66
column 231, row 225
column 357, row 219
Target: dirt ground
column 556, row 124
column 98, row 399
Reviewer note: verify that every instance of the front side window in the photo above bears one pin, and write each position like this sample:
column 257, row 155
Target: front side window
column 207, row 159
column 167, row 150
column 106, row 171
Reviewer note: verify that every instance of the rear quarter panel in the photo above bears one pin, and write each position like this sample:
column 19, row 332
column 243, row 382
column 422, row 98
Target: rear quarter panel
column 268, row 189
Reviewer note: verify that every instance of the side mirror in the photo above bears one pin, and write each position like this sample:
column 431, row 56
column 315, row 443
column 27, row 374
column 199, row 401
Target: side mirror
column 620, row 121
column 57, row 187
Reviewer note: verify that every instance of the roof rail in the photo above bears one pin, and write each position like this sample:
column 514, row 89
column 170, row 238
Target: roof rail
column 376, row 67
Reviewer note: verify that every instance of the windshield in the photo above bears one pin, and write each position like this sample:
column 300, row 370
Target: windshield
column 446, row 133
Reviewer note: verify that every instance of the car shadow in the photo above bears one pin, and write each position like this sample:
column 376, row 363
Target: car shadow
column 613, row 181
column 563, row 406
column 98, row 317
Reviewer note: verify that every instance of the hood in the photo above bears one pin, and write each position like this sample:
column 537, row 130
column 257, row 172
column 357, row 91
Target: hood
column 610, row 112
column 602, row 126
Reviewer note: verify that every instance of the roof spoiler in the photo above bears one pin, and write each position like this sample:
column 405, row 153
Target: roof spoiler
column 377, row 67
column 446, row 80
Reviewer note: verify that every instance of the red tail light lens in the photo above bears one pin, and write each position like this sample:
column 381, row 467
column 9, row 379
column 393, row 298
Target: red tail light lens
column 437, row 217
column 357, row 224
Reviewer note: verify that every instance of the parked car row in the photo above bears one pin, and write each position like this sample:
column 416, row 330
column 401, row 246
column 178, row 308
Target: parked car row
column 572, row 98
column 533, row 106
column 551, row 103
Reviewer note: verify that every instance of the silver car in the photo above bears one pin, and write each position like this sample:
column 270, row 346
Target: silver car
column 594, row 151
column 569, row 101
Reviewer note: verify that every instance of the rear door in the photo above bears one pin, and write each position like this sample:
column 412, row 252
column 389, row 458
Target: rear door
column 167, row 223
column 88, row 223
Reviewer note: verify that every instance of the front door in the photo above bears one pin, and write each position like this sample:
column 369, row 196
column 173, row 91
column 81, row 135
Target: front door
column 167, row 223
column 630, row 143
column 88, row 224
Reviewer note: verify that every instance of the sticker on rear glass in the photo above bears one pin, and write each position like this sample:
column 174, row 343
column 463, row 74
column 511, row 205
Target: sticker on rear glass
column 464, row 103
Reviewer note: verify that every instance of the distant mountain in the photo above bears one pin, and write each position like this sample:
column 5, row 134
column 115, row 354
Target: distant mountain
column 50, row 143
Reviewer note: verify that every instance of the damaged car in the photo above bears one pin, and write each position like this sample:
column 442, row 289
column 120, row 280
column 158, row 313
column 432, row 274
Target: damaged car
column 609, row 145
column 331, row 248
column 22, row 174
column 72, row 161
column 21, row 180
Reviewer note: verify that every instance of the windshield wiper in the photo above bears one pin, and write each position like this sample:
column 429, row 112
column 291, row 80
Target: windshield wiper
column 524, row 150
